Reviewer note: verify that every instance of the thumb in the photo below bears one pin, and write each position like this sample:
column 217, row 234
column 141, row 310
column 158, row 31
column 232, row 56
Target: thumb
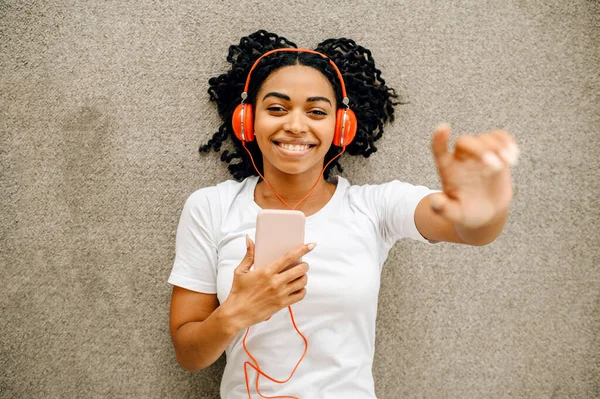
column 443, row 206
column 439, row 145
column 248, row 260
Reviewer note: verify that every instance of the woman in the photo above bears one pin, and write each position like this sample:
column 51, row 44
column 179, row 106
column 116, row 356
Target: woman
column 325, row 347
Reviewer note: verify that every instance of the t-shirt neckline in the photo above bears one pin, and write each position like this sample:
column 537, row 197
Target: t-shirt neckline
column 339, row 188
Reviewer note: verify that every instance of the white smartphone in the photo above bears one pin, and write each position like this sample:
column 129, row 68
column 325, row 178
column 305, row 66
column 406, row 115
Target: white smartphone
column 277, row 233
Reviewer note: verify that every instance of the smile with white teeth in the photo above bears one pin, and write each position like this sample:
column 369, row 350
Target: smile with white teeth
column 294, row 147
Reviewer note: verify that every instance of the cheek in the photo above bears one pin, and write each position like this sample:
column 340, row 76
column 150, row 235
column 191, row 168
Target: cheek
column 328, row 130
column 262, row 129
column 264, row 121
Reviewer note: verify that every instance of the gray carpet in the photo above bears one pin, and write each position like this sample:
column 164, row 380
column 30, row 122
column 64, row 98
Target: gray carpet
column 103, row 105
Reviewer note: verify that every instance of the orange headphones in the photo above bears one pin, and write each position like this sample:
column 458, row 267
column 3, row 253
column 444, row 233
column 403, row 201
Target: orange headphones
column 345, row 121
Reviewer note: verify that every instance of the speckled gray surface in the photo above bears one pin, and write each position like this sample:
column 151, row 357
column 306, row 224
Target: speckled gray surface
column 103, row 106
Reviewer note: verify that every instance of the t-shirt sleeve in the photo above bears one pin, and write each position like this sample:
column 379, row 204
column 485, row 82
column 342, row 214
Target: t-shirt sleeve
column 397, row 202
column 195, row 266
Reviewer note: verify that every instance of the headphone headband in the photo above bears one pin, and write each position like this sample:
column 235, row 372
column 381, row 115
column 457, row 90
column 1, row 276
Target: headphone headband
column 296, row 50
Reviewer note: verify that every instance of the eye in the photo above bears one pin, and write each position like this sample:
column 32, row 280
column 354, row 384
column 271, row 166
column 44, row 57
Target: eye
column 318, row 112
column 276, row 109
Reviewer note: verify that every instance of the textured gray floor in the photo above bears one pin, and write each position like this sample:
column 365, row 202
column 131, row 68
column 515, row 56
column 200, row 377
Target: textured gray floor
column 102, row 108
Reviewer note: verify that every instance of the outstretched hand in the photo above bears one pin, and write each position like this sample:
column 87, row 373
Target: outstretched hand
column 475, row 177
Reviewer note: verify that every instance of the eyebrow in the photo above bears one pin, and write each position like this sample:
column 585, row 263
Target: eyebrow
column 315, row 99
column 287, row 98
column 278, row 95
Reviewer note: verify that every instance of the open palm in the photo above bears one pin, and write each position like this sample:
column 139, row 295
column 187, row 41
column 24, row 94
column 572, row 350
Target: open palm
column 475, row 177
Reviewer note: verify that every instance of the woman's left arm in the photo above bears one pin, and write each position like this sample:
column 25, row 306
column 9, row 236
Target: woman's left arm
column 476, row 188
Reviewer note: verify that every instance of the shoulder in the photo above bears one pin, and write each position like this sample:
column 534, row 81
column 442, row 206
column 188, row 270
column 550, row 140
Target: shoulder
column 223, row 192
column 385, row 200
column 206, row 207
column 383, row 191
column 392, row 206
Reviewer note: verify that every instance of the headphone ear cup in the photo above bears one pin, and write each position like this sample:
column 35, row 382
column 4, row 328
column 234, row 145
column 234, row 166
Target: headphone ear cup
column 248, row 126
column 349, row 127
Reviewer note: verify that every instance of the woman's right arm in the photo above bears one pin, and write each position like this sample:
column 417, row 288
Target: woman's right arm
column 201, row 330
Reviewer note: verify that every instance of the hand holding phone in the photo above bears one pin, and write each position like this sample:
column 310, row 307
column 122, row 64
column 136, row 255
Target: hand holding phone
column 280, row 278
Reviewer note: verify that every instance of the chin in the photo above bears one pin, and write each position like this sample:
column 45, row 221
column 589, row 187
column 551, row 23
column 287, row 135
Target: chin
column 290, row 169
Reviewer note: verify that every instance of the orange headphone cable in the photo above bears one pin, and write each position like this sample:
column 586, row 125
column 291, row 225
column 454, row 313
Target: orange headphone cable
column 256, row 366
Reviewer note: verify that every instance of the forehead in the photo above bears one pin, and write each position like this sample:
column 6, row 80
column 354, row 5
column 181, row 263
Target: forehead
column 298, row 80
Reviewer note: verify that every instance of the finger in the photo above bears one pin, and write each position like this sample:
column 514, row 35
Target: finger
column 469, row 146
column 296, row 296
column 493, row 144
column 507, row 147
column 248, row 259
column 290, row 258
column 476, row 147
column 295, row 272
column 443, row 206
column 297, row 284
column 439, row 144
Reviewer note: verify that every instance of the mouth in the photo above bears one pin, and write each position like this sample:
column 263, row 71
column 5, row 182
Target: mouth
column 293, row 150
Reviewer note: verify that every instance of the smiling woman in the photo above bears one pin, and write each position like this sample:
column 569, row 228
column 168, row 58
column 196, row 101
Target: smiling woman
column 289, row 124
column 370, row 98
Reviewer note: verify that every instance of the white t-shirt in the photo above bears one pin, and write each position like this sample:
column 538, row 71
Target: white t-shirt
column 354, row 232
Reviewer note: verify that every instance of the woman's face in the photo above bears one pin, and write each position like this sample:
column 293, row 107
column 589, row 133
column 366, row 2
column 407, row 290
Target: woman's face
column 294, row 120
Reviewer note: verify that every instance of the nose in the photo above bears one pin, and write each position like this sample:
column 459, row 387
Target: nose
column 295, row 123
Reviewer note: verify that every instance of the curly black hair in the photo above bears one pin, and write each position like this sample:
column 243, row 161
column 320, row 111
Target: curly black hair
column 370, row 99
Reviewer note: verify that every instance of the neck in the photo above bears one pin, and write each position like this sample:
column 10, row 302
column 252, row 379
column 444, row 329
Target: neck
column 293, row 188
